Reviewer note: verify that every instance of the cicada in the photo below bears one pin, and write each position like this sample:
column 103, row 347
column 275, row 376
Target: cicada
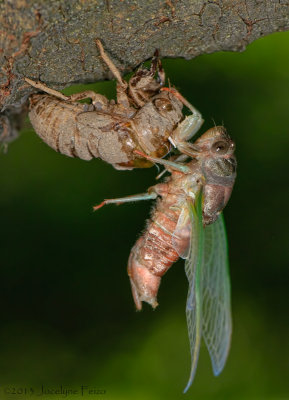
column 187, row 223
column 146, row 117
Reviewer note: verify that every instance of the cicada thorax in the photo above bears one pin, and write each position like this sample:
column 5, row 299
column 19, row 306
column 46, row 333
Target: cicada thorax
column 151, row 127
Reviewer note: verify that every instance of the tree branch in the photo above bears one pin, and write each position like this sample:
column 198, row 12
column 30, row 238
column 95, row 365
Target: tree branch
column 55, row 41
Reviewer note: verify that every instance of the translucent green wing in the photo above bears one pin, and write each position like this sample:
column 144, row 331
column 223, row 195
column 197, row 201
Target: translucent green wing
column 181, row 236
column 208, row 307
column 216, row 304
column 193, row 268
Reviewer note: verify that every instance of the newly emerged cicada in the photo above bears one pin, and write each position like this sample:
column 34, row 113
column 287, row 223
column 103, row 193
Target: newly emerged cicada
column 146, row 117
column 187, row 223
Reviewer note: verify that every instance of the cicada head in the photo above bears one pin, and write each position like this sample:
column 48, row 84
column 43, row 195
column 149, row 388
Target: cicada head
column 215, row 152
column 215, row 143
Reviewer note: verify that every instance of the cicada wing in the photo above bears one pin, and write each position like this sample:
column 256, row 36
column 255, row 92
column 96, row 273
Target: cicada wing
column 182, row 234
column 216, row 304
column 193, row 268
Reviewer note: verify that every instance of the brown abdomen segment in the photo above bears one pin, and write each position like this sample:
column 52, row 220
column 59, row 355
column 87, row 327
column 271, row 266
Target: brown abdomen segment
column 71, row 129
column 151, row 257
column 55, row 122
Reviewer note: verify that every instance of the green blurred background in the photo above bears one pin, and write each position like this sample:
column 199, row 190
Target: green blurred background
column 67, row 316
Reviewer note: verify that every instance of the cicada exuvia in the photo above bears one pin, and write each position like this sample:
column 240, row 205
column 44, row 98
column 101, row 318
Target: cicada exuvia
column 146, row 116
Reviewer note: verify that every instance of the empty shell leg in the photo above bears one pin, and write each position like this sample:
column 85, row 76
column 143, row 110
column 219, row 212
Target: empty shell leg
column 46, row 89
column 110, row 64
column 98, row 100
column 121, row 83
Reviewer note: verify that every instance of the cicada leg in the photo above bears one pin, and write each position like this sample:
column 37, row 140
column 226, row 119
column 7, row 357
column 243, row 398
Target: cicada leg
column 184, row 132
column 136, row 197
column 46, row 89
column 122, row 85
column 98, row 100
column 110, row 64
column 177, row 159
column 187, row 128
column 168, row 164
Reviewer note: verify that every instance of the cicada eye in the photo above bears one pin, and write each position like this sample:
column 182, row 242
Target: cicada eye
column 220, row 147
column 163, row 104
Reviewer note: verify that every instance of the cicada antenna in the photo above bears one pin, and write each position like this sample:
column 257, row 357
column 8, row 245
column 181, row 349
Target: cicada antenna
column 214, row 122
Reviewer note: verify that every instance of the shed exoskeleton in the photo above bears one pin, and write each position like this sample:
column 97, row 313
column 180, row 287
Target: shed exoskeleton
column 146, row 117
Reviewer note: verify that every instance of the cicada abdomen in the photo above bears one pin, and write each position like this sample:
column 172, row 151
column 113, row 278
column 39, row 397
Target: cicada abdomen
column 155, row 252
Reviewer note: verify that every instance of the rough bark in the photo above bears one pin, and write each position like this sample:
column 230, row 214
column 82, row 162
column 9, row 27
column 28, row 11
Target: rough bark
column 54, row 41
